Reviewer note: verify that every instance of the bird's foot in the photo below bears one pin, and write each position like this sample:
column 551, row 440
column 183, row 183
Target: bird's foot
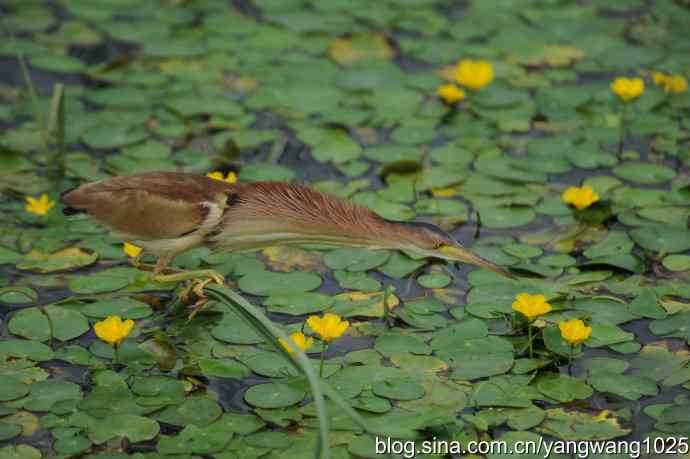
column 194, row 292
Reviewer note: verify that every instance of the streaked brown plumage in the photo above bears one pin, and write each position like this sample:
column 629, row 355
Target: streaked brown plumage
column 169, row 212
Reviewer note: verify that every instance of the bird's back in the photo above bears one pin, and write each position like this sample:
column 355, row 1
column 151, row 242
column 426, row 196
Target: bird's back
column 150, row 205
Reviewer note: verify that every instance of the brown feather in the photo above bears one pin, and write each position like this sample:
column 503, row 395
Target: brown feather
column 151, row 205
column 286, row 208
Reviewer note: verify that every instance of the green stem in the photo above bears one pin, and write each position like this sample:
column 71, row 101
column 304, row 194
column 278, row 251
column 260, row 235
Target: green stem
column 56, row 124
column 570, row 361
column 116, row 354
column 323, row 357
column 622, row 128
column 529, row 339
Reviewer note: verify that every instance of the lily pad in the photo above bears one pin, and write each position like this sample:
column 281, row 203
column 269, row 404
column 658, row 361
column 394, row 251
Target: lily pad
column 355, row 260
column 273, row 395
column 643, row 172
column 134, row 428
column 65, row 259
column 266, row 283
column 398, row 389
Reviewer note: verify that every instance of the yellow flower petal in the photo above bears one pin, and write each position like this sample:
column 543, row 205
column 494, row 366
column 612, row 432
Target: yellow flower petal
column 39, row 206
column 627, row 88
column 450, row 93
column 328, row 327
column 303, row 342
column 215, row 175
column 580, row 197
column 131, row 250
column 531, row 306
column 113, row 329
column 675, row 83
column 474, row 74
column 659, row 78
column 574, row 331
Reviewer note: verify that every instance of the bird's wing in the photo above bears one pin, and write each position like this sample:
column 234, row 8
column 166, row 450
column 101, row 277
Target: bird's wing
column 151, row 206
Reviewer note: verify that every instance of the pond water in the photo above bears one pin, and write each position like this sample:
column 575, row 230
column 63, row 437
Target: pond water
column 346, row 96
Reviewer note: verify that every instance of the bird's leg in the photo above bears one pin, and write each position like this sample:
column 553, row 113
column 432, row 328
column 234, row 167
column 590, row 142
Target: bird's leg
column 141, row 266
column 201, row 278
column 136, row 260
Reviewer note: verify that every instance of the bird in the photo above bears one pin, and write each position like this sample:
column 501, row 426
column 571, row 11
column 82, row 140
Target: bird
column 167, row 213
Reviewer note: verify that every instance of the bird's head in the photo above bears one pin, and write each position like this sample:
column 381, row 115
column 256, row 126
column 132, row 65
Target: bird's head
column 427, row 240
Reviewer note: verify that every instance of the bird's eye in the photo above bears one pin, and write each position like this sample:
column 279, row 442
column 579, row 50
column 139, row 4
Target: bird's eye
column 439, row 245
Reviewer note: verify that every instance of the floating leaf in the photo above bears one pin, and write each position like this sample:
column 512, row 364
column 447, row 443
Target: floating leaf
column 266, row 283
column 134, row 428
column 273, row 395
column 349, row 50
column 65, row 259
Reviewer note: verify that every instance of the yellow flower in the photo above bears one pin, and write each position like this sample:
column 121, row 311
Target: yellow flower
column 39, row 206
column 231, row 177
column 670, row 83
column 328, row 327
column 580, row 197
column 300, row 340
column 659, row 78
column 474, row 74
column 131, row 250
column 531, row 306
column 574, row 331
column 450, row 93
column 627, row 88
column 675, row 83
column 113, row 329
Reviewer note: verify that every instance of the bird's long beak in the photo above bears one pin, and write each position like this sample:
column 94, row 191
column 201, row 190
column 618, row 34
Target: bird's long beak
column 461, row 254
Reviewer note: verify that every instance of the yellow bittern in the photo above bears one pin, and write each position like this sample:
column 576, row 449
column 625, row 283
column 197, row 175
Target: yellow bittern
column 166, row 213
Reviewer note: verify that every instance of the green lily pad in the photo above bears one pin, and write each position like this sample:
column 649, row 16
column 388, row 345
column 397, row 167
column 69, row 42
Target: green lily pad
column 479, row 358
column 677, row 325
column 11, row 388
column 126, row 308
column 395, row 344
column 44, row 394
column 65, row 259
column 661, row 238
column 134, row 428
column 273, row 395
column 30, row 323
column 296, row 304
column 267, row 283
column 72, row 445
column 574, row 425
column 506, row 217
column 356, row 281
column 643, row 172
column 355, row 260
column 8, row 431
column 198, row 410
column 398, row 389
column 31, row 350
column 434, row 280
column 400, row 265
column 629, row 387
column 103, row 281
column 104, row 137
column 562, row 387
column 677, row 262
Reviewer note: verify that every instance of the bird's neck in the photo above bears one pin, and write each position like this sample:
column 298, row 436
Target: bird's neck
column 269, row 213
column 252, row 234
